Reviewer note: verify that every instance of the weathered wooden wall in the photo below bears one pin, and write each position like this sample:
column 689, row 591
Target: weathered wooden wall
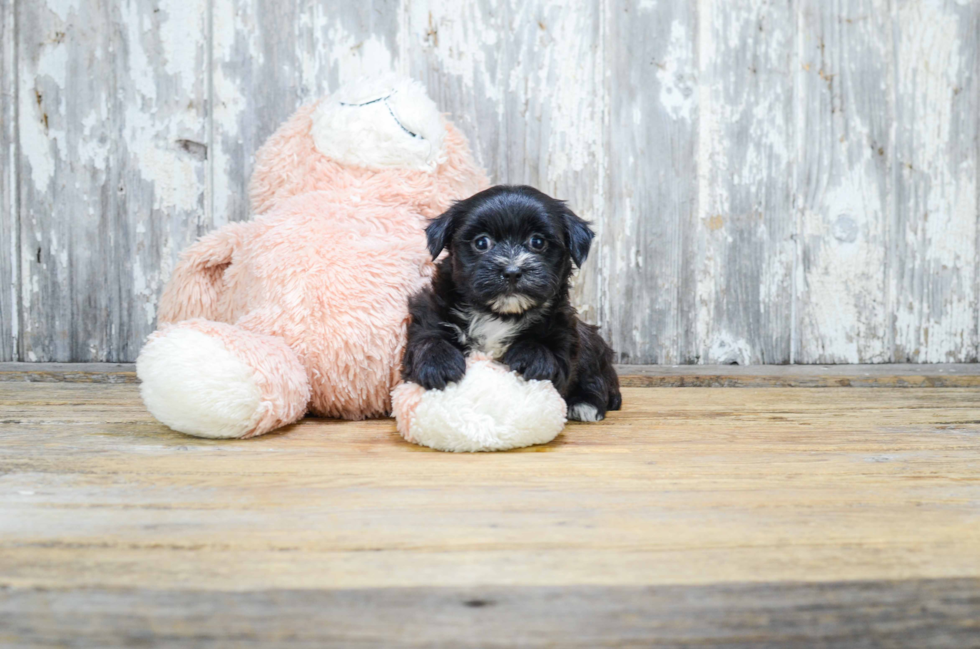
column 772, row 181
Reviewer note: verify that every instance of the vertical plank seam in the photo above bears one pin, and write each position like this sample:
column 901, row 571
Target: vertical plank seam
column 693, row 349
column 891, row 221
column 17, row 322
column 790, row 138
column 687, row 346
column 602, row 159
column 976, row 117
column 676, row 352
column 797, row 203
column 209, row 122
column 402, row 65
column 115, row 177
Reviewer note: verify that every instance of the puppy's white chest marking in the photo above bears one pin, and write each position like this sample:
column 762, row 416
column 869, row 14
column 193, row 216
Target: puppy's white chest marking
column 489, row 334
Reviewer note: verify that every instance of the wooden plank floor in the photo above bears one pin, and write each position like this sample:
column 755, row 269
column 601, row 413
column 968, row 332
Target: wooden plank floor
column 771, row 517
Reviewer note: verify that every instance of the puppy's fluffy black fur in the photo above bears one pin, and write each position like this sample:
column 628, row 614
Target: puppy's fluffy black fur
column 503, row 290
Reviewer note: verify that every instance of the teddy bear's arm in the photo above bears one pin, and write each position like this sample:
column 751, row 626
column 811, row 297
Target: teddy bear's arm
column 195, row 286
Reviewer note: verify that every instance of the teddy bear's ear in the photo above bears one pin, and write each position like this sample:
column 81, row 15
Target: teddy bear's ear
column 440, row 230
column 578, row 235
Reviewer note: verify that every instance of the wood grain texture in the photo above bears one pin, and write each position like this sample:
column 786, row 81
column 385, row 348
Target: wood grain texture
column 739, row 516
column 647, row 257
column 913, row 614
column 269, row 58
column 64, row 192
column 844, row 181
column 69, row 372
column 255, row 87
column 159, row 161
column 524, row 81
column 936, row 208
column 797, row 376
column 683, row 486
column 9, row 236
column 771, row 181
column 111, row 128
column 745, row 232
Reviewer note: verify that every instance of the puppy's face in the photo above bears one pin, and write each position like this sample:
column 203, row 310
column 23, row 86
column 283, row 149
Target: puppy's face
column 512, row 248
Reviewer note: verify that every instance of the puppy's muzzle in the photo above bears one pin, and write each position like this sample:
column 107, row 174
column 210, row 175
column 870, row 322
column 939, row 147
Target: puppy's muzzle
column 511, row 264
column 512, row 273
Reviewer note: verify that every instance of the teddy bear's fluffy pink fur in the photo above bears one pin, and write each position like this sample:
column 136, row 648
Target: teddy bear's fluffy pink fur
column 311, row 296
column 289, row 164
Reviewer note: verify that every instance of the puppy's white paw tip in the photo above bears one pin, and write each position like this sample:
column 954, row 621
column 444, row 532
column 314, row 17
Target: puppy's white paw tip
column 584, row 412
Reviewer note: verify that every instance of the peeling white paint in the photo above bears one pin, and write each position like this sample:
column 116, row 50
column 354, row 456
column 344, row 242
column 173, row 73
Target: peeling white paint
column 940, row 218
column 844, row 195
column 229, row 107
column 788, row 138
column 63, row 8
column 534, row 74
column 568, row 78
column 137, row 25
column 676, row 85
column 93, row 150
column 727, row 349
column 146, row 288
column 229, row 103
column 37, row 136
column 106, row 97
column 845, row 279
column 175, row 177
column 10, row 329
column 180, row 20
column 458, row 35
column 366, row 58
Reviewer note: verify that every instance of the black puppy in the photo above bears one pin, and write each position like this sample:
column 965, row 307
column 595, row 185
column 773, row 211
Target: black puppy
column 503, row 290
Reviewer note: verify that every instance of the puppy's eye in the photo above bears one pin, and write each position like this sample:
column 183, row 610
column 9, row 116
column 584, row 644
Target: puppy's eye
column 536, row 242
column 482, row 243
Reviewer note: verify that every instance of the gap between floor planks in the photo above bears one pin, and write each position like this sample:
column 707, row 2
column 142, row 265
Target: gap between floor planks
column 961, row 375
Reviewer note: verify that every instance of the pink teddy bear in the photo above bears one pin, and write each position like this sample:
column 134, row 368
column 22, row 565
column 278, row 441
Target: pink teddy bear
column 304, row 308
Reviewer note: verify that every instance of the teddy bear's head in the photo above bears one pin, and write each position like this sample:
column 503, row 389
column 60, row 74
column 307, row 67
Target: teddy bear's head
column 383, row 123
column 380, row 139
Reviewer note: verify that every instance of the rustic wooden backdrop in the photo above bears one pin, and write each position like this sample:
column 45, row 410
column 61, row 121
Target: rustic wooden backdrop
column 772, row 181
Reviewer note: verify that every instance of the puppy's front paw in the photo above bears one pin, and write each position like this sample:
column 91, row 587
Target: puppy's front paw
column 534, row 362
column 585, row 412
column 441, row 364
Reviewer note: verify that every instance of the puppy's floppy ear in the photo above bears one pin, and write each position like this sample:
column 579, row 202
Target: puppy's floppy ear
column 440, row 230
column 578, row 235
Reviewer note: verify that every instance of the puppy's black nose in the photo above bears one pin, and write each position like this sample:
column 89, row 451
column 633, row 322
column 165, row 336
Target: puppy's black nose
column 512, row 273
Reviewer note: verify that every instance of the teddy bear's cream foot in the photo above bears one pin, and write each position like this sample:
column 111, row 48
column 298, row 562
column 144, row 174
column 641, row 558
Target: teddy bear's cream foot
column 211, row 379
column 490, row 409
